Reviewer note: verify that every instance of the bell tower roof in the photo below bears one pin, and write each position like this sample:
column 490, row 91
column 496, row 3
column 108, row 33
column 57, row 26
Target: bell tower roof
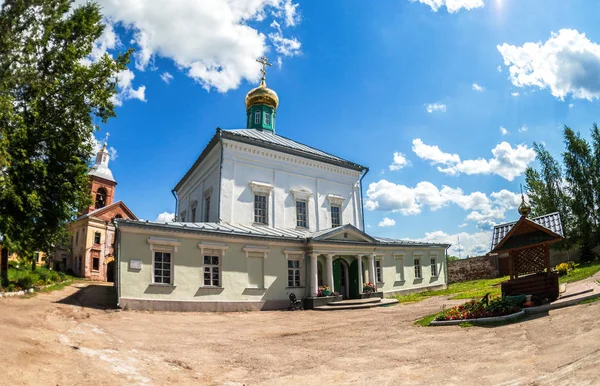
column 100, row 168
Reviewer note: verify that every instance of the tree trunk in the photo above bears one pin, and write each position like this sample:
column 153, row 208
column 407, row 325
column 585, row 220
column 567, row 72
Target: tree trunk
column 4, row 267
column 33, row 263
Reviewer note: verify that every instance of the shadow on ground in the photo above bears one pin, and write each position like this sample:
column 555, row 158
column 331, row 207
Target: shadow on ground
column 100, row 297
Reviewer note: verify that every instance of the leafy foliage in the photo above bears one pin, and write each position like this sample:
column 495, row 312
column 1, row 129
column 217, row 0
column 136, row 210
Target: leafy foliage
column 51, row 95
column 572, row 189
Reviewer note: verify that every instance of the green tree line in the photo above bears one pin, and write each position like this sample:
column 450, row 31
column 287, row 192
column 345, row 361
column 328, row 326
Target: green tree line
column 571, row 188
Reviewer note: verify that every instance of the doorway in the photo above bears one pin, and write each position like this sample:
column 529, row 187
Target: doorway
column 110, row 272
column 341, row 277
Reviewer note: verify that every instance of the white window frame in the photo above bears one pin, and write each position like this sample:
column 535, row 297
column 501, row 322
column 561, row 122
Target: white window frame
column 266, row 209
column 99, row 237
column 418, row 267
column 172, row 265
column 212, row 249
column 433, row 265
column 211, row 269
column 294, row 271
column 257, row 116
column 297, row 255
column 261, row 189
column 339, row 215
column 164, row 245
column 267, row 118
column 305, row 202
column 378, row 270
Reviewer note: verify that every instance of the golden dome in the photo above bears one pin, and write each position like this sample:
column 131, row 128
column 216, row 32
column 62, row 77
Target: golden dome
column 262, row 95
column 524, row 209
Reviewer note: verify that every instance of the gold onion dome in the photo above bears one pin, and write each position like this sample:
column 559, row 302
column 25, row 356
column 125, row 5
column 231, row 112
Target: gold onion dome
column 262, row 95
column 524, row 209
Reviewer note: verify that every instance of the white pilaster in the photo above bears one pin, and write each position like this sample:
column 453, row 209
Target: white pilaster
column 330, row 271
column 314, row 274
column 372, row 268
column 360, row 274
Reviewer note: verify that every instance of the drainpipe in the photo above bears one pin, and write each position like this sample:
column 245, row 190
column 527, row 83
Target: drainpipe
column 220, row 175
column 362, row 206
column 117, row 261
column 176, row 203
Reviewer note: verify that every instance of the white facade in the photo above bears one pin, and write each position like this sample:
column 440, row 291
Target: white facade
column 232, row 173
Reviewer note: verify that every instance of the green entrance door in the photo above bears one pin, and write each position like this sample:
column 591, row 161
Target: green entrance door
column 354, row 291
column 337, row 276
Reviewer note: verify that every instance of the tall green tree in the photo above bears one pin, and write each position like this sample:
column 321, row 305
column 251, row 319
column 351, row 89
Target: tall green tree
column 595, row 176
column 546, row 191
column 579, row 163
column 51, row 95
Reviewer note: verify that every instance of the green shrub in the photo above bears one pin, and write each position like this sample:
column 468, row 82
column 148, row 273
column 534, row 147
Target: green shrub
column 44, row 276
column 62, row 277
column 10, row 288
column 53, row 276
column 26, row 281
column 12, row 264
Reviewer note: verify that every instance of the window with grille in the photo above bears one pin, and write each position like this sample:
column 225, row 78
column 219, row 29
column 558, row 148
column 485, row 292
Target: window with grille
column 97, row 237
column 193, row 214
column 96, row 263
column 163, row 268
column 267, row 118
column 257, row 117
column 434, row 271
column 418, row 269
column 260, row 209
column 301, row 215
column 212, row 271
column 293, row 273
column 378, row 272
column 206, row 208
column 336, row 220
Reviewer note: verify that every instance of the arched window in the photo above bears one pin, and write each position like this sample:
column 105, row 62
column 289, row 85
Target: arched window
column 100, row 198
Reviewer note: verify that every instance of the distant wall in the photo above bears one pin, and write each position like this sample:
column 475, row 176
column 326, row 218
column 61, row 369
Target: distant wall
column 473, row 268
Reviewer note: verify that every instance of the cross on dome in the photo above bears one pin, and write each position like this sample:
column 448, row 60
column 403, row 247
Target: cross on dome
column 264, row 61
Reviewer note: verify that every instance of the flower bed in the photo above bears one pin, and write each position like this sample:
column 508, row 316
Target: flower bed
column 477, row 309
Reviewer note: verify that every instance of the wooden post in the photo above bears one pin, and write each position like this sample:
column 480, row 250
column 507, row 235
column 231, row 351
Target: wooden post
column 547, row 256
column 511, row 257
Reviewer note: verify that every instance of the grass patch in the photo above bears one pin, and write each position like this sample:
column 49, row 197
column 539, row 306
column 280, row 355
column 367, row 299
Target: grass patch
column 24, row 278
column 465, row 290
column 466, row 324
column 424, row 322
column 581, row 271
column 588, row 301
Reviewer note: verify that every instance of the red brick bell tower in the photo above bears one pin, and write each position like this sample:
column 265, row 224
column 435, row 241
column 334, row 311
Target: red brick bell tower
column 102, row 182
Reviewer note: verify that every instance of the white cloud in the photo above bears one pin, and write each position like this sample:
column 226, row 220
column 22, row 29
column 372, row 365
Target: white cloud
column 433, row 107
column 463, row 225
column 499, row 68
column 387, row 222
column 388, row 196
column 515, row 93
column 507, row 162
column 399, row 162
column 451, row 5
column 166, row 77
column 571, row 105
column 503, row 130
column 523, row 129
column 97, row 146
column 433, row 153
column 216, row 42
column 165, row 217
column 284, row 46
column 471, row 244
column 477, row 87
column 567, row 63
column 126, row 89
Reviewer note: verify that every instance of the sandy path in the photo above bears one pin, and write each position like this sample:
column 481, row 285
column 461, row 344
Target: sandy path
column 45, row 342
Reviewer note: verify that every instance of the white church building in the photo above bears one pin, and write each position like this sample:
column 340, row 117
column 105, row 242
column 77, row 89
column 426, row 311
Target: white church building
column 260, row 216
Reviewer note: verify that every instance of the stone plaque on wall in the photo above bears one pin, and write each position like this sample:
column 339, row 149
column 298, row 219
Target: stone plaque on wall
column 135, row 264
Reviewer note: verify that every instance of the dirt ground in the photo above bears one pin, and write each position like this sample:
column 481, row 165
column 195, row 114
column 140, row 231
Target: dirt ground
column 74, row 337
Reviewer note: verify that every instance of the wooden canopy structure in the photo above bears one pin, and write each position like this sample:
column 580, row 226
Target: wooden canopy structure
column 527, row 243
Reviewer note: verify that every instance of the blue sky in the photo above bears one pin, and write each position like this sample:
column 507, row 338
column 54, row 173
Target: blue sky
column 459, row 94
